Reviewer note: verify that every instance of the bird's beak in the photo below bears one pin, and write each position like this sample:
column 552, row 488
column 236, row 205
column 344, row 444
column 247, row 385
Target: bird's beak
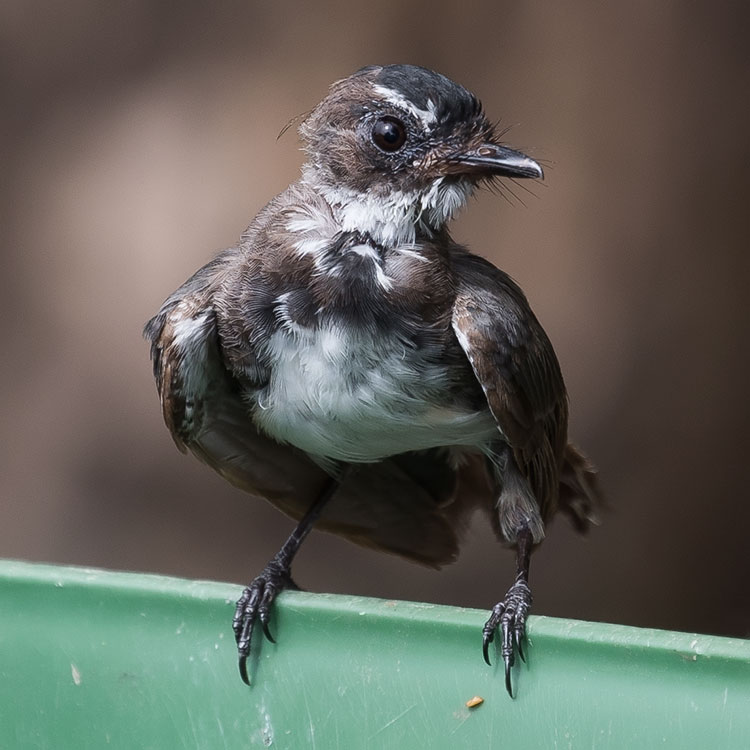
column 489, row 160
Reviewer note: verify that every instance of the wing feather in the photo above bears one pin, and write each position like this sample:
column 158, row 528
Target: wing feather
column 515, row 364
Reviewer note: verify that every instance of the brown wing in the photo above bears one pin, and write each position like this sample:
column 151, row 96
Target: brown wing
column 413, row 505
column 515, row 364
column 202, row 404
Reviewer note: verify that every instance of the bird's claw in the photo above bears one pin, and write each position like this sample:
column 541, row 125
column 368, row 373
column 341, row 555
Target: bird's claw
column 267, row 632
column 255, row 604
column 509, row 615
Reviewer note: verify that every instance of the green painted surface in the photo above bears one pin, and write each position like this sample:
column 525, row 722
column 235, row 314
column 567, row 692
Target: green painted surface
column 94, row 659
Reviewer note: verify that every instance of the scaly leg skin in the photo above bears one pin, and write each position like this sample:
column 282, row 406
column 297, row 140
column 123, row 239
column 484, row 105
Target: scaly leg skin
column 257, row 598
column 510, row 613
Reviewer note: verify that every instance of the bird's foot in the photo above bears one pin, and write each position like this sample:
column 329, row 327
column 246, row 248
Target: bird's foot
column 255, row 604
column 509, row 615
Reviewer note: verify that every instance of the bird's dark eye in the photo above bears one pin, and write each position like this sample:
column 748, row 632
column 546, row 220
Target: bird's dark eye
column 388, row 134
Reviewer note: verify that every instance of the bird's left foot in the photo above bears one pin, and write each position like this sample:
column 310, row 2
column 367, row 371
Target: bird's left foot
column 255, row 604
column 510, row 616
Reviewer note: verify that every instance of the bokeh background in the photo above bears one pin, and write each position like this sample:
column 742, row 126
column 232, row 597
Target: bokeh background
column 140, row 137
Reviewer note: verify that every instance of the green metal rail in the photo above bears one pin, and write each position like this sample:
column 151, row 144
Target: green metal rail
column 97, row 659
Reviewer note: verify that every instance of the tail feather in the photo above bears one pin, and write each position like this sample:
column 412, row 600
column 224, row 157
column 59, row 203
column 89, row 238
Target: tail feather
column 581, row 496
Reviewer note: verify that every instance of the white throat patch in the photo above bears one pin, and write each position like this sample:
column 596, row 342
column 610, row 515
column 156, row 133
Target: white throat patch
column 393, row 218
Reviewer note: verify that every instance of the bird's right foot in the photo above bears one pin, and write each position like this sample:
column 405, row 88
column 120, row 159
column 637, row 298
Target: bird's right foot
column 255, row 604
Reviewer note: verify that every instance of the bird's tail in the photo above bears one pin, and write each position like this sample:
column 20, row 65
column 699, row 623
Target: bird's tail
column 581, row 497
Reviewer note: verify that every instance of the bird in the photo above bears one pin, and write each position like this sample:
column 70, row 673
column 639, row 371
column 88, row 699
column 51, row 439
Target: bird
column 351, row 363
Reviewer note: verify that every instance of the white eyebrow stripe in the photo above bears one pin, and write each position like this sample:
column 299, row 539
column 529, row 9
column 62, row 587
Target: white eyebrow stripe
column 427, row 117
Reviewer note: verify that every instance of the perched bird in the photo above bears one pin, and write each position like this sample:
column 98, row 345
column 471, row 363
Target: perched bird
column 353, row 365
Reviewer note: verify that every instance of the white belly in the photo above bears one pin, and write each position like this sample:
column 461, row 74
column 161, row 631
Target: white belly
column 361, row 398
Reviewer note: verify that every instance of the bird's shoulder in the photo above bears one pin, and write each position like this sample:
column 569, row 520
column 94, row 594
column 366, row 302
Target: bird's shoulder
column 185, row 351
column 515, row 363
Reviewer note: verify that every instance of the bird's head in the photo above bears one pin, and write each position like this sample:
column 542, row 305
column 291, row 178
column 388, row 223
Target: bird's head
column 400, row 147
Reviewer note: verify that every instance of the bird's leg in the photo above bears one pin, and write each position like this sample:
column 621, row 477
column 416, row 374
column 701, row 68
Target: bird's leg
column 255, row 602
column 510, row 613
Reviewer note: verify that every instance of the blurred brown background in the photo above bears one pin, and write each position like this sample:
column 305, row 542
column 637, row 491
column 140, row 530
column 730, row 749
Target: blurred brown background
column 140, row 137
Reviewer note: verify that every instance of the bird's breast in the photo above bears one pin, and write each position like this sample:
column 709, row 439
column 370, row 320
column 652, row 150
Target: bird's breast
column 347, row 395
column 356, row 343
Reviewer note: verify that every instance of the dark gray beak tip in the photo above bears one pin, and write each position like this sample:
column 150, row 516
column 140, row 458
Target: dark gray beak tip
column 529, row 168
column 537, row 171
